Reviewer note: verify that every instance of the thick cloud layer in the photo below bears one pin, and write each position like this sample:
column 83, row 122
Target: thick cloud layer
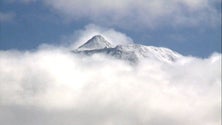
column 141, row 13
column 52, row 86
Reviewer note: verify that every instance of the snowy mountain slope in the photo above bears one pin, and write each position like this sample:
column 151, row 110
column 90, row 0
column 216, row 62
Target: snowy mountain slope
column 96, row 42
column 130, row 52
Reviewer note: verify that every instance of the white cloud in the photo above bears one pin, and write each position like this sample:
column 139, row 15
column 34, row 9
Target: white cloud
column 141, row 13
column 51, row 86
column 6, row 16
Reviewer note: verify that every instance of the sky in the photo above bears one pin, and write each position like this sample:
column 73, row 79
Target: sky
column 190, row 27
column 43, row 83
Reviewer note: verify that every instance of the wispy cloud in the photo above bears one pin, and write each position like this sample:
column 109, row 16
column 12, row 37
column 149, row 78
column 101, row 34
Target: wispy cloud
column 6, row 16
column 80, row 36
column 51, row 86
column 141, row 13
column 20, row 1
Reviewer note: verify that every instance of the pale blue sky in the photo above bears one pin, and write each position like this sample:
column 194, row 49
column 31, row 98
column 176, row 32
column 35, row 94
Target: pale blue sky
column 191, row 28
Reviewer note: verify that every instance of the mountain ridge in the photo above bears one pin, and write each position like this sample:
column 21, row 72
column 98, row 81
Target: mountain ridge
column 132, row 53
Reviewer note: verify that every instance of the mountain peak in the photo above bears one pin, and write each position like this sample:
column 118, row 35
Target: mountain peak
column 96, row 42
column 97, row 37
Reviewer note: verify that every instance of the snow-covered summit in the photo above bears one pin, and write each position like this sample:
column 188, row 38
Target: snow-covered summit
column 158, row 53
column 96, row 42
column 130, row 52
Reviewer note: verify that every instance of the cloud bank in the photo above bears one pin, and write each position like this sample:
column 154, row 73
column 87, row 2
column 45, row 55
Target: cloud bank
column 51, row 86
column 141, row 13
